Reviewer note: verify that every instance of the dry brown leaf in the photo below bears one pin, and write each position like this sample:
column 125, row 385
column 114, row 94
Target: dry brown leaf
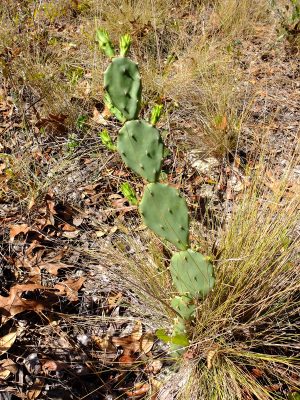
column 7, row 341
column 16, row 230
column 131, row 343
column 53, row 123
column 139, row 390
column 35, row 390
column 137, row 331
column 70, row 288
column 49, row 365
column 126, row 359
column 99, row 118
column 4, row 373
column 53, row 268
column 257, row 372
column 14, row 304
column 7, row 367
column 114, row 300
column 68, row 228
column 147, row 342
column 127, row 343
column 71, row 235
column 153, row 367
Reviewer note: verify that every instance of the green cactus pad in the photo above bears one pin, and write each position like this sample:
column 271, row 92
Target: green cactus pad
column 165, row 212
column 184, row 307
column 192, row 274
column 141, row 148
column 122, row 82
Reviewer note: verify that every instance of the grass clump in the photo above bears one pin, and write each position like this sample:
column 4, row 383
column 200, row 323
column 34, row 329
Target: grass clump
column 246, row 334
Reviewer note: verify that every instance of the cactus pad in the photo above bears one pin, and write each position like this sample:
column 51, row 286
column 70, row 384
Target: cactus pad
column 184, row 306
column 165, row 212
column 122, row 82
column 192, row 274
column 141, row 148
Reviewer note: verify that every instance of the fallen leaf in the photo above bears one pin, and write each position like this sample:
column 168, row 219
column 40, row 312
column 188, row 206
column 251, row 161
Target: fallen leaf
column 16, row 230
column 35, row 390
column 9, row 365
column 221, row 122
column 71, row 235
column 68, row 228
column 257, row 372
column 53, row 268
column 126, row 359
column 153, row 367
column 4, row 373
column 139, row 390
column 99, row 118
column 7, row 341
column 273, row 388
column 49, row 365
column 53, row 123
column 15, row 304
column 114, row 300
column 147, row 342
column 70, row 288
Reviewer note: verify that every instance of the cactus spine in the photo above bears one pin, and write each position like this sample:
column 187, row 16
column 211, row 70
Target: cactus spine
column 162, row 208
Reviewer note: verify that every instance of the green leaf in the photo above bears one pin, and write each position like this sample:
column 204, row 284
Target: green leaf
column 129, row 193
column 162, row 335
column 106, row 140
column 180, row 340
column 81, row 121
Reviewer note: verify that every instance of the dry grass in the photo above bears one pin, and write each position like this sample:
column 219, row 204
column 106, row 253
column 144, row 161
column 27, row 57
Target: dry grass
column 188, row 58
column 188, row 55
column 251, row 319
column 245, row 337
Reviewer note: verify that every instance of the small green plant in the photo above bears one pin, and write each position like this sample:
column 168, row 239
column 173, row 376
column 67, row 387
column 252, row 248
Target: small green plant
column 129, row 193
column 74, row 74
column 162, row 208
column 81, row 122
column 107, row 140
column 72, row 143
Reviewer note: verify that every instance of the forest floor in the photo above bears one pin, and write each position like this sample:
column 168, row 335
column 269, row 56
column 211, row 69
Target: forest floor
column 84, row 285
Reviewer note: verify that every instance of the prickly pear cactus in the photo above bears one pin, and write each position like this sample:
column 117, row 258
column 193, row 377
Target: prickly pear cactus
column 184, row 306
column 162, row 208
column 165, row 212
column 192, row 274
column 122, row 82
column 141, row 148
